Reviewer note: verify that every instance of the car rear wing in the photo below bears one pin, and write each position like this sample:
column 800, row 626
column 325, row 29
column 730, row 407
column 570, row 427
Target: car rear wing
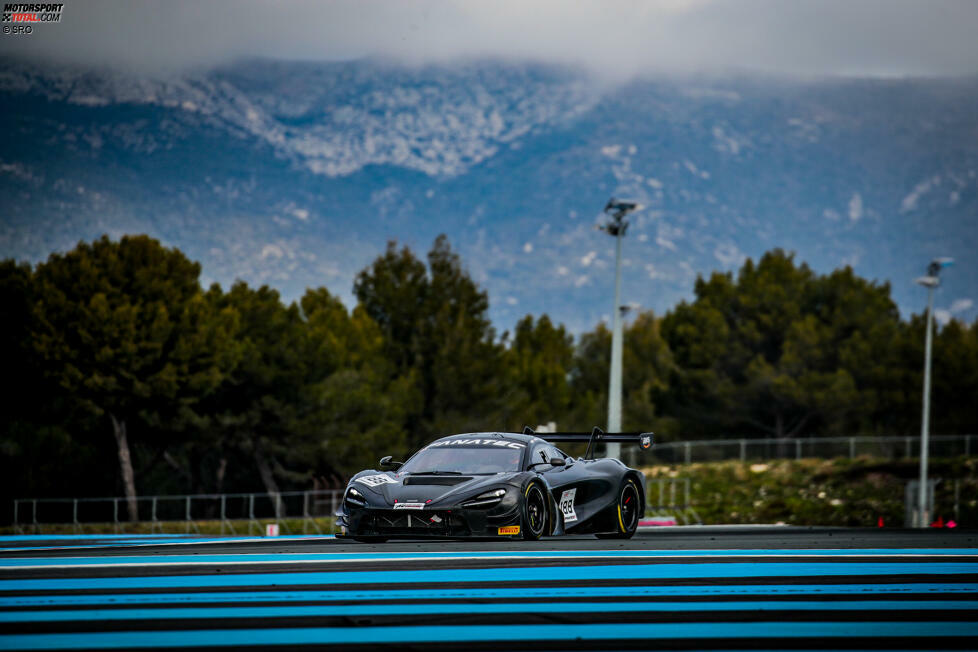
column 643, row 439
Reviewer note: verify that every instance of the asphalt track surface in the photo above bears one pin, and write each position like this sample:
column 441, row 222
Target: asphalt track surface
column 668, row 588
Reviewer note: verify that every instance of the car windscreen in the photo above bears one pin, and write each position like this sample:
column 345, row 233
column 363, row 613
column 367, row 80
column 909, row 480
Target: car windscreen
column 464, row 460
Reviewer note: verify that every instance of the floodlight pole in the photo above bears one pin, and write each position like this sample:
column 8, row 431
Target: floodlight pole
column 617, row 209
column 931, row 281
column 922, row 512
column 614, row 377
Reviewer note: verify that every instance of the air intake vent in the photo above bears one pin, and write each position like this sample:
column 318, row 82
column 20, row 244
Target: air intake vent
column 441, row 480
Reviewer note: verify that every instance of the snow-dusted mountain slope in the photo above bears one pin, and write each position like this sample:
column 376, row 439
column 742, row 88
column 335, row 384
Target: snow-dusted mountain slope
column 296, row 174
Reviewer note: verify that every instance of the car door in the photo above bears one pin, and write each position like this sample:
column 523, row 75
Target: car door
column 572, row 486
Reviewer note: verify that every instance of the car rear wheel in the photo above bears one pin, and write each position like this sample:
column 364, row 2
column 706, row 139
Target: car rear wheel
column 534, row 512
column 627, row 512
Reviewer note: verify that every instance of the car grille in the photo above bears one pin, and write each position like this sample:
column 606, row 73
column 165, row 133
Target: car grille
column 425, row 522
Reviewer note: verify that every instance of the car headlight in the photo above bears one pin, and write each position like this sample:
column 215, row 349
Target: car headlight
column 488, row 499
column 356, row 498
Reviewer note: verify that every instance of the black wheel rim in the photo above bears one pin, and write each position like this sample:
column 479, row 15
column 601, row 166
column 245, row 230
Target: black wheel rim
column 535, row 511
column 629, row 507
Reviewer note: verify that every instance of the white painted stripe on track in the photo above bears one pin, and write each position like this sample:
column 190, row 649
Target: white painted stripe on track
column 262, row 559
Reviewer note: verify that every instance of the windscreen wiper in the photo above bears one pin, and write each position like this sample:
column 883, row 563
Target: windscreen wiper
column 437, row 473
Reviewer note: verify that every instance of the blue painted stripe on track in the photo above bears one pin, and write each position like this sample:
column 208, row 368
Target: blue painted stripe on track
column 507, row 574
column 549, row 593
column 461, row 633
column 88, row 537
column 480, row 554
column 495, row 608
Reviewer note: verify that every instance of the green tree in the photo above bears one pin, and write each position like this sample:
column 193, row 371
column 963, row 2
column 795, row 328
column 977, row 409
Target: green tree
column 782, row 351
column 254, row 409
column 647, row 370
column 538, row 365
column 355, row 402
column 124, row 328
column 437, row 332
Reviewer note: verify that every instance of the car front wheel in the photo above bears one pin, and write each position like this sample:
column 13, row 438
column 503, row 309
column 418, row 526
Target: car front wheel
column 534, row 512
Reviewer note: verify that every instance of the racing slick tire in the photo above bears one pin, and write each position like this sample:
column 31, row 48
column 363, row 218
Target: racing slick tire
column 626, row 512
column 534, row 521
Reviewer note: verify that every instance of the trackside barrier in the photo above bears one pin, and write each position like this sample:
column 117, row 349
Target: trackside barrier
column 244, row 512
column 661, row 500
column 744, row 449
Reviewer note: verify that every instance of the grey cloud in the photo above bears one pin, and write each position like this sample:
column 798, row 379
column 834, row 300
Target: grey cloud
column 617, row 39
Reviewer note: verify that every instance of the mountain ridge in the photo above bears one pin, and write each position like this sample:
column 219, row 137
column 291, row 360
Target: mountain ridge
column 296, row 175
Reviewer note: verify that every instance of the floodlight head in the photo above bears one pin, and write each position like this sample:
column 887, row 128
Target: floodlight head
column 938, row 264
column 928, row 281
column 619, row 208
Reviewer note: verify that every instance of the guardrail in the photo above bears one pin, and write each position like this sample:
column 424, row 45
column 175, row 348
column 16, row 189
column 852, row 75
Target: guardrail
column 715, row 450
column 245, row 510
column 665, row 496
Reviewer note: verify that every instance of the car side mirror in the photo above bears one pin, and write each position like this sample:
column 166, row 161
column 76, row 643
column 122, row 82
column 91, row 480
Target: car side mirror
column 557, row 461
column 387, row 462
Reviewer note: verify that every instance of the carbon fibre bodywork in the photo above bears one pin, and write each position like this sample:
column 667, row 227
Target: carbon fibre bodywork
column 582, row 496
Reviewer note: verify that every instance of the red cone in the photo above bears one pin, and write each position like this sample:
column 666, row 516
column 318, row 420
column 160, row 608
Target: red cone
column 879, row 523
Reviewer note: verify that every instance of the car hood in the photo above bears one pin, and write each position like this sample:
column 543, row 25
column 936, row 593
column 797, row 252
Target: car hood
column 385, row 489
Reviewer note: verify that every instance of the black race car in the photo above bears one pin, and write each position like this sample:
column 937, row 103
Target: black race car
column 498, row 484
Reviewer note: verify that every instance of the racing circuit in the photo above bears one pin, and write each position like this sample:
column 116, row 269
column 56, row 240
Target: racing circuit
column 667, row 588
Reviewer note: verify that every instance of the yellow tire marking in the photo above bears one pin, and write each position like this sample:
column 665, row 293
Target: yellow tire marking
column 621, row 521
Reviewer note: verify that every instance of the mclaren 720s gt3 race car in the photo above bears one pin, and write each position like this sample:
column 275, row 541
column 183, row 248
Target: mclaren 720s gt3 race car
column 498, row 484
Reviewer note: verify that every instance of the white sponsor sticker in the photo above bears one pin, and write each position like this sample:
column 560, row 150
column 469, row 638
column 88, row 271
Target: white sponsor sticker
column 567, row 505
column 375, row 480
column 479, row 442
column 408, row 505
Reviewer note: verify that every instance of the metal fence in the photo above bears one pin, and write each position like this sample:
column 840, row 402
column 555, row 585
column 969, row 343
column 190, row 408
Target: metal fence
column 671, row 497
column 246, row 512
column 715, row 450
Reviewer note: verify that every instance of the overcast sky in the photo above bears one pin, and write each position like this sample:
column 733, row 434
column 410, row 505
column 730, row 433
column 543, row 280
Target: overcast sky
column 617, row 38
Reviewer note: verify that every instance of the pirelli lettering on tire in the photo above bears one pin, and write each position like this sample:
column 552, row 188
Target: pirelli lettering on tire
column 509, row 530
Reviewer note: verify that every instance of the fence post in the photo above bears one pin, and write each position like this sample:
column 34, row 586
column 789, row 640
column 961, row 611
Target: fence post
column 797, row 449
column 17, row 520
column 909, row 450
column 957, row 499
column 852, row 447
column 74, row 515
column 743, row 451
column 688, row 452
column 115, row 515
column 187, row 515
column 251, row 513
column 155, row 520
column 36, row 525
